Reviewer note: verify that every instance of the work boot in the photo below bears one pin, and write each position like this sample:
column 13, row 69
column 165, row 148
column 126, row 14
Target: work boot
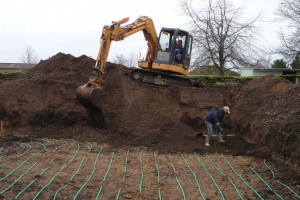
column 207, row 140
column 220, row 137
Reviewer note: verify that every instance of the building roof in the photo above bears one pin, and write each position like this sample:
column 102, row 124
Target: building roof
column 16, row 66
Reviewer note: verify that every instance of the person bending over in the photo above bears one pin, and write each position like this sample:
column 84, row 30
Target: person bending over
column 212, row 121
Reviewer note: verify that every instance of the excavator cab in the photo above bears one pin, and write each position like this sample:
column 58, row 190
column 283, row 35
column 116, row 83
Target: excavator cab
column 168, row 53
column 170, row 65
column 166, row 58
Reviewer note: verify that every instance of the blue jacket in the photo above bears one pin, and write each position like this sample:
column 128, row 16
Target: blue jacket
column 215, row 116
column 179, row 48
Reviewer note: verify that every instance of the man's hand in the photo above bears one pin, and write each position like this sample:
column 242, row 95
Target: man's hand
column 218, row 124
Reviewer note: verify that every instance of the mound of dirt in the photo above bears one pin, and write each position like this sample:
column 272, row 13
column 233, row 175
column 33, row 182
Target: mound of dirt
column 267, row 112
column 45, row 95
column 42, row 103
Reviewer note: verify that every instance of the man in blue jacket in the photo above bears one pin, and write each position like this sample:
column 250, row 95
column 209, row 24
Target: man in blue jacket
column 178, row 49
column 212, row 121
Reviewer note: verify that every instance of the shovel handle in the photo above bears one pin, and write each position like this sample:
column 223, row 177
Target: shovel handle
column 220, row 128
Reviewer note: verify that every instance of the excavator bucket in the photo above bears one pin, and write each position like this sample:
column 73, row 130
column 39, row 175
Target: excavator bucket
column 89, row 97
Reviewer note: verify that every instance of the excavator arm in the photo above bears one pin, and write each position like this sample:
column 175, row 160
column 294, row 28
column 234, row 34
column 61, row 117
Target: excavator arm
column 89, row 94
column 116, row 32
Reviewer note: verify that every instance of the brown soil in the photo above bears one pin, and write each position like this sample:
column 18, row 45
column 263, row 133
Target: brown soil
column 145, row 119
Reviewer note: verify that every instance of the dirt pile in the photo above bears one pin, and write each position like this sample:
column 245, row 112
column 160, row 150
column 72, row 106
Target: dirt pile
column 43, row 103
column 45, row 95
column 267, row 111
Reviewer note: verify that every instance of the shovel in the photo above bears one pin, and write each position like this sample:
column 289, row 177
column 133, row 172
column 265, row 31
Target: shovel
column 222, row 131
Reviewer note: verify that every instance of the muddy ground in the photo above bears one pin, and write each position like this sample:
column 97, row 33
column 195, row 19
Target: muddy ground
column 147, row 121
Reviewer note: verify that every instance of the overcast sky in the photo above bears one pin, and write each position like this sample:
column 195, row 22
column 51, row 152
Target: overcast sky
column 74, row 26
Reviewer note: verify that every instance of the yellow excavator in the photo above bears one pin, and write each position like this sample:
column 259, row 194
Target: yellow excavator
column 162, row 65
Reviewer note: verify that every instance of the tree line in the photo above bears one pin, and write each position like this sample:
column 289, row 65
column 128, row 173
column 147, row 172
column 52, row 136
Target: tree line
column 226, row 38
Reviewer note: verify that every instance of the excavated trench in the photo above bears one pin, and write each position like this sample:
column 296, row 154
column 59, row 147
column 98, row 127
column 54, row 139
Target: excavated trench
column 265, row 116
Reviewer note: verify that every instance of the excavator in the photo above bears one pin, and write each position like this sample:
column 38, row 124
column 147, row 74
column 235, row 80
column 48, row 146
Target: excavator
column 162, row 65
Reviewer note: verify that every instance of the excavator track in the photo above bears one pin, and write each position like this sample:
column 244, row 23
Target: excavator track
column 160, row 78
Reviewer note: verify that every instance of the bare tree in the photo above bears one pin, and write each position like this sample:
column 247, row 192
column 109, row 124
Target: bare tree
column 223, row 37
column 29, row 56
column 120, row 60
column 264, row 62
column 288, row 11
column 132, row 60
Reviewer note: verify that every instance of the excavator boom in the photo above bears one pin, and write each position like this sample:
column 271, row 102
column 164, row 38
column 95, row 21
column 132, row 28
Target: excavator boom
column 116, row 32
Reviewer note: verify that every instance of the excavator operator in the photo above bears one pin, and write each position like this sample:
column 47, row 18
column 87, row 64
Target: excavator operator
column 177, row 52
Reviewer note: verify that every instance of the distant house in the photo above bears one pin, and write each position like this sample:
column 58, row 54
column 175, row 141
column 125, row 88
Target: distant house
column 294, row 78
column 16, row 66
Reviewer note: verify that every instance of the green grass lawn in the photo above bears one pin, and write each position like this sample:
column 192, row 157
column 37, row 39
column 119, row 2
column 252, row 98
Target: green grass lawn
column 11, row 74
column 10, row 71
